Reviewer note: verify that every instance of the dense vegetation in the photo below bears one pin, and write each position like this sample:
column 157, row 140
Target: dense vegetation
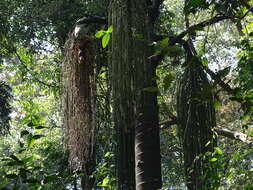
column 95, row 108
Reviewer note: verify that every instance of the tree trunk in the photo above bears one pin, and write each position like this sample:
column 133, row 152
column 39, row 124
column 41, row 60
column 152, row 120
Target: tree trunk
column 196, row 117
column 79, row 106
column 135, row 110
column 122, row 72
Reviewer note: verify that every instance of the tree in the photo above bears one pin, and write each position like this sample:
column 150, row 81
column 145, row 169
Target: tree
column 135, row 100
column 33, row 32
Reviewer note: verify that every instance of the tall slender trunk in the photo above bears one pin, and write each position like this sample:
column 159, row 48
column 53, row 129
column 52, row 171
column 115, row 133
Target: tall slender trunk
column 122, row 72
column 135, row 109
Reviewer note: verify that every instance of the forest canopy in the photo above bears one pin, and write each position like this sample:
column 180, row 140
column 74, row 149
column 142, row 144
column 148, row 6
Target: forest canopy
column 126, row 95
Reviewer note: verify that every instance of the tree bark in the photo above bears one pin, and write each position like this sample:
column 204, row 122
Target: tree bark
column 135, row 109
column 122, row 75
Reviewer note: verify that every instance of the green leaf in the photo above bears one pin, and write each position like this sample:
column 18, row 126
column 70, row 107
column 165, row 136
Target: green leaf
column 163, row 43
column 107, row 154
column 30, row 158
column 110, row 29
column 250, row 133
column 105, row 182
column 237, row 156
column 105, row 40
column 160, row 45
column 218, row 150
column 30, row 140
column 204, row 62
column 213, row 159
column 151, row 89
column 230, row 175
column 100, row 33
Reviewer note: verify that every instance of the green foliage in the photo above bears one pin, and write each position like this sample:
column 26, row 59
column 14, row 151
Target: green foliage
column 105, row 35
column 167, row 81
column 158, row 46
column 35, row 162
column 162, row 48
column 192, row 6
column 31, row 32
column 104, row 173
column 23, row 169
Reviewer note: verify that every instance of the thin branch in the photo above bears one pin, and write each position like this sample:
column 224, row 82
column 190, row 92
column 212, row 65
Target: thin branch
column 179, row 38
column 248, row 11
column 220, row 82
column 195, row 27
column 234, row 135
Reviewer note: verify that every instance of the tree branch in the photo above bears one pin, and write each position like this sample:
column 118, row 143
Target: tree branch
column 234, row 135
column 220, row 82
column 195, row 27
column 179, row 38
column 250, row 9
